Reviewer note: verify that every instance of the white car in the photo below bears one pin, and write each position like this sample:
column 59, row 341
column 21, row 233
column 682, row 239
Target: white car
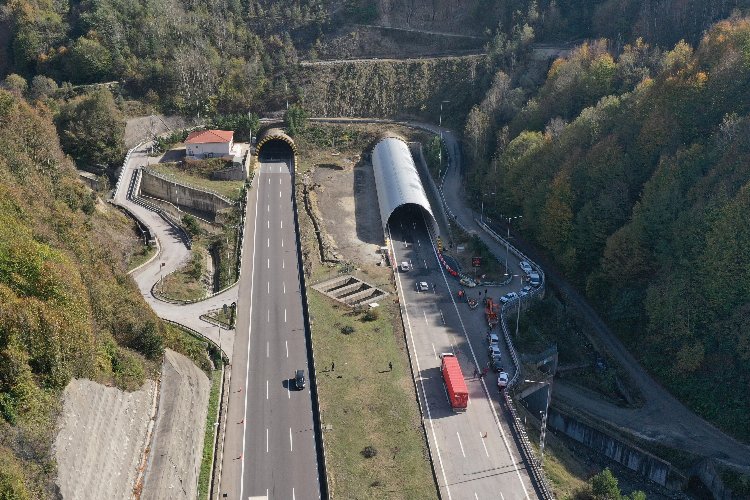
column 422, row 286
column 492, row 339
column 502, row 380
column 504, row 299
column 511, row 296
column 405, row 267
column 494, row 352
column 525, row 266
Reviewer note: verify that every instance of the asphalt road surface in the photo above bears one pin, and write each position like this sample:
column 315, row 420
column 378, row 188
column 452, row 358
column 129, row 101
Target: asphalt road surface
column 474, row 453
column 269, row 447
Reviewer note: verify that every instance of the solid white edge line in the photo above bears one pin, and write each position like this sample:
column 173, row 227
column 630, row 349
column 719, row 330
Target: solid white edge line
column 476, row 363
column 419, row 370
column 291, row 444
column 266, row 389
column 460, row 444
column 266, row 439
column 249, row 336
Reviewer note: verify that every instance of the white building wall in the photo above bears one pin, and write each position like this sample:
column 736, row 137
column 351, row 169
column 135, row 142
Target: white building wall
column 209, row 149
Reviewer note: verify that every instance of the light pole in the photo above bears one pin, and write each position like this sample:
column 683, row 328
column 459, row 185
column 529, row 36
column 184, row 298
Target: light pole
column 440, row 123
column 507, row 239
column 543, row 430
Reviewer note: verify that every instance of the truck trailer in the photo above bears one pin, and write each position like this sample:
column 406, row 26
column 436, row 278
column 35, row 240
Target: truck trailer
column 455, row 385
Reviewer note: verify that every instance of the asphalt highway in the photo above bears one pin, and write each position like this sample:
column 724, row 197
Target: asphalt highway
column 269, row 447
column 473, row 452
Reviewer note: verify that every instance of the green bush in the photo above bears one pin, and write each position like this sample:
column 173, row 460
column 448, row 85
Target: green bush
column 128, row 370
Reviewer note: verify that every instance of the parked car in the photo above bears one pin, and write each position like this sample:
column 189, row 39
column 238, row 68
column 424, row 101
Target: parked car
column 526, row 289
column 511, row 296
column 422, row 286
column 502, row 380
column 492, row 339
column 496, row 365
column 494, row 352
column 299, row 379
column 535, row 279
column 525, row 266
column 405, row 267
column 504, row 299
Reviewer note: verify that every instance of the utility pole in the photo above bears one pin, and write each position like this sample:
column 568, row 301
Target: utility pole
column 507, row 239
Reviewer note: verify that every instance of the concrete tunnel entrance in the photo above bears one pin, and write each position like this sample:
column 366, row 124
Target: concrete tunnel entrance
column 399, row 187
column 274, row 144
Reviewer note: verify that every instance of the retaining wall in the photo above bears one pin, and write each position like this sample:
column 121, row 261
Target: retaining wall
column 628, row 455
column 162, row 188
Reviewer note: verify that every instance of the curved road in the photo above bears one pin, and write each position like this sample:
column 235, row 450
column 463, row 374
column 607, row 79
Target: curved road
column 173, row 254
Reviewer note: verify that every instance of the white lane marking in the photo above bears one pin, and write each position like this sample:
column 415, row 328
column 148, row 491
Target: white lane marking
column 266, row 439
column 282, row 264
column 425, row 318
column 284, row 285
column 285, row 315
column 485, row 446
column 441, row 315
column 502, row 497
column 291, row 445
column 282, row 242
column 268, row 315
column 266, row 389
column 460, row 444
column 279, row 194
column 269, row 180
column 268, row 242
column 268, row 287
column 434, row 351
column 293, row 497
column 425, row 263
column 286, row 344
column 282, row 224
column 249, row 335
column 268, row 208
column 269, row 264
column 419, row 370
column 476, row 497
column 268, row 224
column 268, row 350
column 289, row 389
column 484, row 385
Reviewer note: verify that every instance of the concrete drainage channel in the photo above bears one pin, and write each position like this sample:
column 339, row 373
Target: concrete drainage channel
column 350, row 290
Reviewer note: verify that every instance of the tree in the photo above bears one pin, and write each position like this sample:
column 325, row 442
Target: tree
column 15, row 83
column 92, row 129
column 604, row 486
column 295, row 119
column 42, row 87
column 89, row 61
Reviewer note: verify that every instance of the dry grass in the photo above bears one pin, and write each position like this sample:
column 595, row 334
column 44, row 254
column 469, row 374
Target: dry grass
column 199, row 176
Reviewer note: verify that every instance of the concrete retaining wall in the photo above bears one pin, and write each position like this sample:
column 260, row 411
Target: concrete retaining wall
column 182, row 196
column 631, row 457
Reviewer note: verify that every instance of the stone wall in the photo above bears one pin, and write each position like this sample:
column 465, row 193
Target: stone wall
column 157, row 186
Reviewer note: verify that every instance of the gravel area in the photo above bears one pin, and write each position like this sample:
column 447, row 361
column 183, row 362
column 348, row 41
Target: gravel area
column 101, row 439
column 177, row 446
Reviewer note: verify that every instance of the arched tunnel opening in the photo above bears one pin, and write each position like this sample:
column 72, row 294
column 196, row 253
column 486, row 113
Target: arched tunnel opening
column 275, row 149
column 412, row 222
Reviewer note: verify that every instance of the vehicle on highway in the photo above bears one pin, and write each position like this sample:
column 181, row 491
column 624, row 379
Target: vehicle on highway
column 405, row 267
column 496, row 365
column 535, row 279
column 492, row 339
column 493, row 351
column 526, row 289
column 422, row 286
column 455, row 385
column 502, row 380
column 467, row 282
column 526, row 267
column 299, row 379
column 510, row 296
column 504, row 299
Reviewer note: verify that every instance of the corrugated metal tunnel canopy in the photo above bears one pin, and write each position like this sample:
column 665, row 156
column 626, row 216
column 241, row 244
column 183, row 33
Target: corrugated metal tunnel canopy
column 397, row 180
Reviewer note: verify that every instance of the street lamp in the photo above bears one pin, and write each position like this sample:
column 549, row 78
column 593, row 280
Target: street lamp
column 481, row 218
column 543, row 429
column 440, row 123
column 507, row 239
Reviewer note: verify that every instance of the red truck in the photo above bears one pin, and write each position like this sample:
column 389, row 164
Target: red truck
column 458, row 394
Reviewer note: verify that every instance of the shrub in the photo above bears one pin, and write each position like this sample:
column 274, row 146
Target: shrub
column 369, row 452
column 347, row 330
column 191, row 225
column 371, row 315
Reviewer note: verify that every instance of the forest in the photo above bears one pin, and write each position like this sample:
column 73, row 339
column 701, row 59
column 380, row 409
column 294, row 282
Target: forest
column 632, row 172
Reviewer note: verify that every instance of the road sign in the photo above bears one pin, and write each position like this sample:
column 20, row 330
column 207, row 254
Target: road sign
column 476, row 261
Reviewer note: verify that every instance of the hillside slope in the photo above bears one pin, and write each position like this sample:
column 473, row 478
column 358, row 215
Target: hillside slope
column 68, row 308
column 643, row 201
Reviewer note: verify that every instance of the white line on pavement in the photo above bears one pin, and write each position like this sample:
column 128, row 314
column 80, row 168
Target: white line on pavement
column 268, row 287
column 419, row 370
column 268, row 224
column 268, row 349
column 282, row 224
column 460, row 444
column 425, row 318
column 249, row 335
column 485, row 446
column 268, row 208
column 293, row 497
column 266, row 439
column 285, row 315
column 476, row 497
column 291, row 445
column 268, row 242
column 283, row 283
column 266, row 389
column 282, row 264
column 279, row 194
column 268, row 315
column 434, row 351
column 286, row 344
column 269, row 264
column 282, row 242
column 441, row 315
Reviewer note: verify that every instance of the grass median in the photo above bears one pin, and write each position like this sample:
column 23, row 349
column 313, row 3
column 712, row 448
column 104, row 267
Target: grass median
column 204, row 479
column 368, row 409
